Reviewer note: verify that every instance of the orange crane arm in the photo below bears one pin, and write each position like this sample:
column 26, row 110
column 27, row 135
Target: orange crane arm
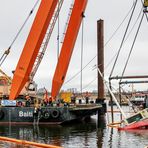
column 32, row 46
column 68, row 45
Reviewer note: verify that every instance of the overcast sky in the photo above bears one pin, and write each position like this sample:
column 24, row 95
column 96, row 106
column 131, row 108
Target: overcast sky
column 13, row 14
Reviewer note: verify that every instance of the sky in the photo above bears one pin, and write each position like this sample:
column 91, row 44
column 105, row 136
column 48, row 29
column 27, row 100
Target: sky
column 12, row 16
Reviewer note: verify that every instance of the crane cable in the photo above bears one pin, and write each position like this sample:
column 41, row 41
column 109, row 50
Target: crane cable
column 123, row 37
column 105, row 45
column 132, row 47
column 82, row 49
column 7, row 51
column 58, row 29
column 116, row 53
column 107, row 65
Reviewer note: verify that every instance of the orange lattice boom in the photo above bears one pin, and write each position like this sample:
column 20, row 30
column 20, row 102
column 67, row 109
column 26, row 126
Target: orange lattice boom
column 32, row 46
column 68, row 45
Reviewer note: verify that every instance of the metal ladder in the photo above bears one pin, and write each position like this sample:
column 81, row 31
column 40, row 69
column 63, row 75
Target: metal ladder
column 68, row 18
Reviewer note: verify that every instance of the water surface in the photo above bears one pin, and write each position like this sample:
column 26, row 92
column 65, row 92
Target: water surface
column 77, row 135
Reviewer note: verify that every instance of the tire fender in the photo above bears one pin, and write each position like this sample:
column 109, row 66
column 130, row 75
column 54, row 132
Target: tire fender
column 55, row 113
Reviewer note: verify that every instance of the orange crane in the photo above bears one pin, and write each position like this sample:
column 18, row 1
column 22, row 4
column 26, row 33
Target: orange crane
column 35, row 39
column 32, row 46
column 46, row 40
column 68, row 45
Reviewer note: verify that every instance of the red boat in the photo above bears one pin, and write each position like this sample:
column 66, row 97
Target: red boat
column 137, row 121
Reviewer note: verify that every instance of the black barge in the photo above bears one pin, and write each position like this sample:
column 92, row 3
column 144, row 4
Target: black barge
column 47, row 115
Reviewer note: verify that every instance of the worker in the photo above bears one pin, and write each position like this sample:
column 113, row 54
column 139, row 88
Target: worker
column 87, row 97
column 50, row 100
column 36, row 115
column 73, row 98
column 47, row 101
column 19, row 103
column 145, row 104
column 28, row 101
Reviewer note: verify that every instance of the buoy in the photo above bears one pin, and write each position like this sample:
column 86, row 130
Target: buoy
column 114, row 125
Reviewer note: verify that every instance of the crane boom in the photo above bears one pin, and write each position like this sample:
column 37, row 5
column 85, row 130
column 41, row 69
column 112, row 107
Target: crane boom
column 32, row 46
column 46, row 40
column 68, row 45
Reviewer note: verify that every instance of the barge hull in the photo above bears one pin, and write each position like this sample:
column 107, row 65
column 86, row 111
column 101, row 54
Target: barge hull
column 46, row 115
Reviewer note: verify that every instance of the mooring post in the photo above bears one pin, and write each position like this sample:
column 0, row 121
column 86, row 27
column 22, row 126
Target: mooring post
column 100, row 38
column 111, row 103
column 100, row 44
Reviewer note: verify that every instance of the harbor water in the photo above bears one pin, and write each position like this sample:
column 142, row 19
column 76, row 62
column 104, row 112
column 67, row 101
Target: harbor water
column 87, row 134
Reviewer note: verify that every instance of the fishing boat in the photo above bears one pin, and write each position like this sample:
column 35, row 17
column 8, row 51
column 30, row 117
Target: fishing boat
column 137, row 121
column 19, row 102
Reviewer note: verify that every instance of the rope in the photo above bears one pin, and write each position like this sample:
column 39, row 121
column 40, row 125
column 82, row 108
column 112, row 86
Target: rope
column 79, row 71
column 132, row 46
column 89, row 83
column 123, row 38
column 5, row 54
column 119, row 26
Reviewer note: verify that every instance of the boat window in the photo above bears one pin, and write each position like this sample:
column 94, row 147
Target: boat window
column 134, row 118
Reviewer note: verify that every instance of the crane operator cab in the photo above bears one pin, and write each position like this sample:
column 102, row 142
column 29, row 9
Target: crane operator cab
column 32, row 88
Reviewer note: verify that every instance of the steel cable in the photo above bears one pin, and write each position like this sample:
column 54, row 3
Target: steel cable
column 5, row 54
column 105, row 45
column 132, row 47
column 123, row 38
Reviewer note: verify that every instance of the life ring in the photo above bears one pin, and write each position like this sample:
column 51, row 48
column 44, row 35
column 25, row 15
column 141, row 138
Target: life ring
column 1, row 114
column 46, row 114
column 55, row 113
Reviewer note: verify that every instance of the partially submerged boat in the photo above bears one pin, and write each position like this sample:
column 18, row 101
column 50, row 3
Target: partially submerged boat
column 137, row 121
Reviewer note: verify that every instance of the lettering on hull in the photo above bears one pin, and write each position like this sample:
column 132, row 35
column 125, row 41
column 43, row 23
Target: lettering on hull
column 25, row 114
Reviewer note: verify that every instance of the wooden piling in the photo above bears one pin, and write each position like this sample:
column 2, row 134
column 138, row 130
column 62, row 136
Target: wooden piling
column 100, row 58
column 100, row 42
